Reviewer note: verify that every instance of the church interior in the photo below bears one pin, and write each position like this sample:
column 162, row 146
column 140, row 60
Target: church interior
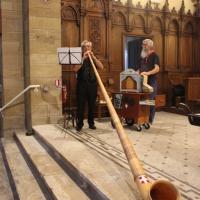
column 42, row 156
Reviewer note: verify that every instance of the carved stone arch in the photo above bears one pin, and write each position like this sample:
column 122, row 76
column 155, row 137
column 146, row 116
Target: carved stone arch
column 188, row 28
column 103, row 3
column 105, row 7
column 96, row 4
column 156, row 23
column 69, row 12
column 173, row 26
column 139, row 21
column 119, row 18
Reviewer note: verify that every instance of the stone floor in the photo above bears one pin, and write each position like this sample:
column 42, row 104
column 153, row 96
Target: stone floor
column 169, row 149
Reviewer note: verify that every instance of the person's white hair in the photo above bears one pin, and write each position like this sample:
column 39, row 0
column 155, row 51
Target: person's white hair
column 149, row 43
column 86, row 42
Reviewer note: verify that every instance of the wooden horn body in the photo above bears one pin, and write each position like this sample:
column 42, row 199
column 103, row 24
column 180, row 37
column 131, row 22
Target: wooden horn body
column 159, row 190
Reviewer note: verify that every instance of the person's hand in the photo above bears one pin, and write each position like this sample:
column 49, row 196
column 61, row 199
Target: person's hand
column 92, row 55
column 145, row 73
column 85, row 55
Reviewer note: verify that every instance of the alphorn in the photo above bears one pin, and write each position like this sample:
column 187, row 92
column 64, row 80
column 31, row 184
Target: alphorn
column 159, row 190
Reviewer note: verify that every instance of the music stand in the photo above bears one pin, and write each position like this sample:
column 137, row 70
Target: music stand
column 69, row 56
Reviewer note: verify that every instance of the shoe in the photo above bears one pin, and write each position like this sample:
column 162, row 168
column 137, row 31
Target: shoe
column 93, row 127
column 78, row 129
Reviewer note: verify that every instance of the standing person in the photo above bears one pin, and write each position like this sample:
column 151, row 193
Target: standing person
column 86, row 86
column 150, row 66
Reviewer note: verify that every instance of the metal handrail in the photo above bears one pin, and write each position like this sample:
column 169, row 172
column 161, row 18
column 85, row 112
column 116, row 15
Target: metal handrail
column 21, row 93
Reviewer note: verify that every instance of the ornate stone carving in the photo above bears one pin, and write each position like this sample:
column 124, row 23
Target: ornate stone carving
column 95, row 34
column 182, row 9
column 197, row 9
column 119, row 19
column 174, row 10
column 95, row 4
column 188, row 29
column 189, row 12
column 68, row 13
column 166, row 6
column 139, row 5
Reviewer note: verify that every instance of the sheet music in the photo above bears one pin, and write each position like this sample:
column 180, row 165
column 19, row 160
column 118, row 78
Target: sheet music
column 63, row 57
column 76, row 55
column 69, row 55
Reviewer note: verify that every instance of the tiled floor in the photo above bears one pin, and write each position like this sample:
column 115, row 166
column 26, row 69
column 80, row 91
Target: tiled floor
column 170, row 149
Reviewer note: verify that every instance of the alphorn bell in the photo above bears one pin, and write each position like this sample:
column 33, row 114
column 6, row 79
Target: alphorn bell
column 159, row 190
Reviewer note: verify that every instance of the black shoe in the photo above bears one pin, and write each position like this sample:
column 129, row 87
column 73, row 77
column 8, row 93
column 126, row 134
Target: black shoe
column 78, row 128
column 93, row 127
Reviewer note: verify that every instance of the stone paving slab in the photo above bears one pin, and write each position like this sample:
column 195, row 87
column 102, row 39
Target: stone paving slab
column 108, row 177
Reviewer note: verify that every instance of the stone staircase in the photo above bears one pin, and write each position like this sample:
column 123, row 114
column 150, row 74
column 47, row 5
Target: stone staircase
column 51, row 165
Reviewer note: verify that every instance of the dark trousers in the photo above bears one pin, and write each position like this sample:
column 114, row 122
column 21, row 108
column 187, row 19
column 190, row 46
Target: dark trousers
column 86, row 91
column 152, row 97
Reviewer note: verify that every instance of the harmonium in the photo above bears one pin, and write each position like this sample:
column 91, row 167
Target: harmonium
column 132, row 81
column 132, row 102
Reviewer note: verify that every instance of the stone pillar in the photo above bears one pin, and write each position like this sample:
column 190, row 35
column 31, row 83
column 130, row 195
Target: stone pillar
column 31, row 33
column 12, row 62
column 44, row 31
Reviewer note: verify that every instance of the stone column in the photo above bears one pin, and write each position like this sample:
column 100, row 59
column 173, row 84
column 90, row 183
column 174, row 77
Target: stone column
column 44, row 31
column 31, row 33
column 12, row 64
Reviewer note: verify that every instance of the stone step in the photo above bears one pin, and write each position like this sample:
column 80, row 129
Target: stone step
column 59, row 184
column 104, row 177
column 5, row 189
column 27, row 187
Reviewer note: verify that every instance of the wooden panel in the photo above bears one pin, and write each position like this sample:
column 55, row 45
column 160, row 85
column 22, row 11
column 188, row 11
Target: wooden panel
column 70, row 34
column 187, row 53
column 159, row 47
column 116, row 50
column 96, row 34
column 160, row 100
column 172, row 51
column 192, row 86
column 70, row 37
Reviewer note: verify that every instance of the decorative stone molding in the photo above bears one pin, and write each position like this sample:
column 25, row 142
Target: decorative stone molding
column 69, row 12
column 197, row 9
column 95, row 34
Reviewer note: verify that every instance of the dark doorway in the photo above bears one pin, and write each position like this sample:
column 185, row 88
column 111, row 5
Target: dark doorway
column 133, row 47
